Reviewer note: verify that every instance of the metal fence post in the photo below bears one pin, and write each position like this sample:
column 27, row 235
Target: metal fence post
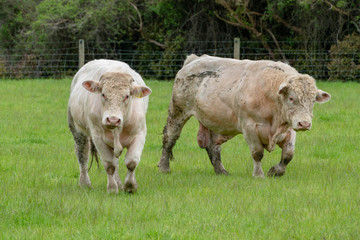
column 81, row 53
column 237, row 48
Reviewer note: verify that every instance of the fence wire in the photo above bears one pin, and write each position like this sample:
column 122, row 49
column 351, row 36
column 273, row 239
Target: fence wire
column 48, row 60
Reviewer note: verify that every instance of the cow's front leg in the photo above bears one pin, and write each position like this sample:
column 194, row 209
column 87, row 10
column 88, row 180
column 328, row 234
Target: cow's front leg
column 257, row 153
column 116, row 175
column 132, row 159
column 288, row 150
column 110, row 164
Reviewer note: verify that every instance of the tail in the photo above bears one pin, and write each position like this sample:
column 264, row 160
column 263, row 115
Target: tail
column 94, row 153
column 190, row 58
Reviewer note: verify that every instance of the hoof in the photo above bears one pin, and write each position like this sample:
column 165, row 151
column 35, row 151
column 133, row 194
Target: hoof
column 112, row 188
column 276, row 171
column 113, row 191
column 258, row 173
column 164, row 169
column 85, row 185
column 84, row 181
column 130, row 187
column 221, row 172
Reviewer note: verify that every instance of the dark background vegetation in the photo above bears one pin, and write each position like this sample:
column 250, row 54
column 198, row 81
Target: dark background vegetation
column 173, row 26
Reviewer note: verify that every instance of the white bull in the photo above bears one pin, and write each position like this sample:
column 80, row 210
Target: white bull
column 107, row 105
column 265, row 101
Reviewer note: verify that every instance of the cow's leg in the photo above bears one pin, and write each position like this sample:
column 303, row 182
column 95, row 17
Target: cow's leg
column 288, row 150
column 82, row 147
column 171, row 133
column 116, row 175
column 132, row 159
column 110, row 164
column 214, row 153
column 257, row 153
column 213, row 150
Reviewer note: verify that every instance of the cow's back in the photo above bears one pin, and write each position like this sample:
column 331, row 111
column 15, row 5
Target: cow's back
column 213, row 74
column 204, row 66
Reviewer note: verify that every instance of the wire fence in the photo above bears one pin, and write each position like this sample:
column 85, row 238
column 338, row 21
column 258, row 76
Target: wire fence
column 61, row 59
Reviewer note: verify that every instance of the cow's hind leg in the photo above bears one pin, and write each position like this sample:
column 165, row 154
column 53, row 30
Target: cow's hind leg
column 214, row 153
column 171, row 133
column 213, row 149
column 288, row 149
column 82, row 147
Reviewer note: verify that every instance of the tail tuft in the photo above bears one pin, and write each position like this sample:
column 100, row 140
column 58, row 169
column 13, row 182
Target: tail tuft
column 94, row 153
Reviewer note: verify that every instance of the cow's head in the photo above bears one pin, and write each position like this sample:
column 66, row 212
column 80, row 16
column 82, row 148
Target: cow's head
column 297, row 97
column 117, row 91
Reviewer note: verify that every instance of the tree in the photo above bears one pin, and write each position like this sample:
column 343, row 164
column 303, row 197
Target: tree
column 15, row 19
column 306, row 20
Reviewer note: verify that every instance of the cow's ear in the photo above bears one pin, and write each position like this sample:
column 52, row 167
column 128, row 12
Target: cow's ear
column 283, row 89
column 322, row 96
column 91, row 86
column 140, row 91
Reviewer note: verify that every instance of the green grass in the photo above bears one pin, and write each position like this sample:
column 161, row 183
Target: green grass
column 317, row 198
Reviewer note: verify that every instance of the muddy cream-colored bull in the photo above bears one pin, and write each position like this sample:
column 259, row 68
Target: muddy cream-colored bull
column 107, row 106
column 265, row 101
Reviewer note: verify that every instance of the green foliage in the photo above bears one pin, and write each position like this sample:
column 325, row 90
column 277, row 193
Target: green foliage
column 345, row 59
column 15, row 19
column 62, row 20
column 341, row 4
column 168, row 11
column 317, row 198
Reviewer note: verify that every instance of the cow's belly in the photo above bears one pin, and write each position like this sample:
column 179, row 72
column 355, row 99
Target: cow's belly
column 220, row 119
column 214, row 109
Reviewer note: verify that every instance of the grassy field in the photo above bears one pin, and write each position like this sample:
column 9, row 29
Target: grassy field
column 317, row 198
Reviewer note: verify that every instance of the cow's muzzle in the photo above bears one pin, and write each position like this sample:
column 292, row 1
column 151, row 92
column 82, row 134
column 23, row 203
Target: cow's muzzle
column 112, row 122
column 302, row 126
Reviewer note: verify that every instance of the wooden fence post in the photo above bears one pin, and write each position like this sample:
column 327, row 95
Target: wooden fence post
column 237, row 48
column 81, row 53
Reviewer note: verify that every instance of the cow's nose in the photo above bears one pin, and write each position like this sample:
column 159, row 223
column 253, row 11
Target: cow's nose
column 304, row 125
column 113, row 121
